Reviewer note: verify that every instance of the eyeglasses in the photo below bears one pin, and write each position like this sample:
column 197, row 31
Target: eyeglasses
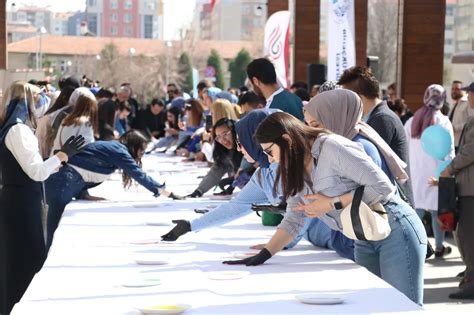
column 223, row 135
column 268, row 151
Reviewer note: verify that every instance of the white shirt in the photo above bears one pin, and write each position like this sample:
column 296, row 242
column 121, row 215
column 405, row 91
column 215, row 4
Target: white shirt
column 270, row 99
column 64, row 132
column 23, row 144
column 422, row 166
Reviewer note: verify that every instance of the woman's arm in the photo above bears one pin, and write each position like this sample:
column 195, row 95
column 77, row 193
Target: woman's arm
column 212, row 178
column 23, row 144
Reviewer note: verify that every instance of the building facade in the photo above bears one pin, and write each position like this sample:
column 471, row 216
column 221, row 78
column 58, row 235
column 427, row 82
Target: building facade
column 125, row 18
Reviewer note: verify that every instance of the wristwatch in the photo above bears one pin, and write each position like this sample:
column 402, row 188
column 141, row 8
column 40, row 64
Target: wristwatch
column 337, row 203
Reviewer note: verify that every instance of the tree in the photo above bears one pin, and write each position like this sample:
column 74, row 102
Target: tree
column 185, row 72
column 214, row 60
column 238, row 68
column 382, row 37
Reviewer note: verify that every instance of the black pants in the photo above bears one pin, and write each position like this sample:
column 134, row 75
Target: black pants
column 22, row 247
column 465, row 233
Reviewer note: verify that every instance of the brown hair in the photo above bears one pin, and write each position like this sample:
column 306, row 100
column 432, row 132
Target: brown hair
column 292, row 156
column 196, row 109
column 85, row 107
column 361, row 80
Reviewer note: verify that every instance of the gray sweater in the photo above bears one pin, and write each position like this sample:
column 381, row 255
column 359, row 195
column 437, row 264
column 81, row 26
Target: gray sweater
column 342, row 167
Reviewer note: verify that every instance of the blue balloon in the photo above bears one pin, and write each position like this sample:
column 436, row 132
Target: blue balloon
column 441, row 168
column 436, row 141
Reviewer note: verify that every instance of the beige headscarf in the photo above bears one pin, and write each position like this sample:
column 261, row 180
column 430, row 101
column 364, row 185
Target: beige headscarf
column 340, row 111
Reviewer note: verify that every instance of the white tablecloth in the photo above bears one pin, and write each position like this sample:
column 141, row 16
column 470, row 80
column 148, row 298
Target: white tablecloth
column 93, row 255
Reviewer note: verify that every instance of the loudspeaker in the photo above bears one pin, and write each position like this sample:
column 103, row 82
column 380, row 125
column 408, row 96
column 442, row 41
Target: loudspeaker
column 316, row 74
column 373, row 64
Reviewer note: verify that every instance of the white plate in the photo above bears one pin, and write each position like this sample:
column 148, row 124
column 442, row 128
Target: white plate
column 158, row 223
column 151, row 260
column 227, row 275
column 141, row 283
column 244, row 254
column 164, row 309
column 320, row 299
column 146, row 242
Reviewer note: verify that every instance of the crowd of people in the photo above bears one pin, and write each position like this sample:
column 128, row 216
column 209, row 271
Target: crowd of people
column 304, row 151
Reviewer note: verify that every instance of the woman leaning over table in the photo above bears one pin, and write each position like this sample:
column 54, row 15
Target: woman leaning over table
column 333, row 168
column 94, row 165
column 22, row 244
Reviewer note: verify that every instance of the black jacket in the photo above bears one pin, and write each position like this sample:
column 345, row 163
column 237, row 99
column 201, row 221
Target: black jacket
column 390, row 128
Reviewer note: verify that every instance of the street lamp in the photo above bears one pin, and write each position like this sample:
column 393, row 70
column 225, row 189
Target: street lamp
column 169, row 45
column 39, row 56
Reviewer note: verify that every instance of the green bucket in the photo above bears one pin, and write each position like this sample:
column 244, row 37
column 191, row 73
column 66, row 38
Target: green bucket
column 271, row 219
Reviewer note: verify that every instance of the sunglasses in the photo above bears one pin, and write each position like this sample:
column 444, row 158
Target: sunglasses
column 268, row 151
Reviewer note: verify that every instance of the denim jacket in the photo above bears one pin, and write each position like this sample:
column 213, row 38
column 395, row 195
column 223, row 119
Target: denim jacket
column 105, row 157
column 341, row 167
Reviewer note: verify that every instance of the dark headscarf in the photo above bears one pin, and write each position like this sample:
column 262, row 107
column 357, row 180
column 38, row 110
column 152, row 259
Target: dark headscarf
column 246, row 128
column 17, row 113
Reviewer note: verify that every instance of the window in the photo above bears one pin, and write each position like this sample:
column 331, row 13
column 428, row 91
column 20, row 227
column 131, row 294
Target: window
column 113, row 30
column 128, row 30
column 92, row 3
column 148, row 27
column 113, row 17
column 113, row 4
column 127, row 5
column 127, row 18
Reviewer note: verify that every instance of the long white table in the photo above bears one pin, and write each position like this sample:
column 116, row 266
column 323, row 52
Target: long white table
column 93, row 256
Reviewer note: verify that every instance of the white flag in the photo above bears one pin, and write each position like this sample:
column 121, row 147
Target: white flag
column 341, row 37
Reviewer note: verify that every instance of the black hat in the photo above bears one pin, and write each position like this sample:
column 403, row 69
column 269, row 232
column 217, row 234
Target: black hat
column 469, row 88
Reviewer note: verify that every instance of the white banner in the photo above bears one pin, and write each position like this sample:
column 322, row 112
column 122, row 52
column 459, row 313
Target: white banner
column 341, row 37
column 276, row 44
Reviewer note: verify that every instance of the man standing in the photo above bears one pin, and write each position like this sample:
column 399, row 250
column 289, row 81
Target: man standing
column 462, row 167
column 378, row 115
column 460, row 110
column 262, row 75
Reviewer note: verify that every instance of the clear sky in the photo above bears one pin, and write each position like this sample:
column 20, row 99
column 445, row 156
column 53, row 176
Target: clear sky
column 177, row 12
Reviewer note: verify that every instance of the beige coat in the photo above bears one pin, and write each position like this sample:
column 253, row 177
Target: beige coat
column 463, row 164
column 462, row 111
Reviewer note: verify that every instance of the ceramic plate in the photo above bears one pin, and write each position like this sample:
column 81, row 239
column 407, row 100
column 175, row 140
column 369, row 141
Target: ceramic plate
column 141, row 283
column 151, row 260
column 164, row 309
column 320, row 299
column 227, row 275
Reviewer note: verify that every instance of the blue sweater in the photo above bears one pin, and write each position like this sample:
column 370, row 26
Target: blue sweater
column 105, row 157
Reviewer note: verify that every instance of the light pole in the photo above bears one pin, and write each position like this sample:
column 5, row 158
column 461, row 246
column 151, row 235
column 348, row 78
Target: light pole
column 39, row 56
column 169, row 45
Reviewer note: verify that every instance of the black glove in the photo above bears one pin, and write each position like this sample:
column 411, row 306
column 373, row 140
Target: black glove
column 182, row 227
column 176, row 197
column 73, row 145
column 256, row 260
column 195, row 194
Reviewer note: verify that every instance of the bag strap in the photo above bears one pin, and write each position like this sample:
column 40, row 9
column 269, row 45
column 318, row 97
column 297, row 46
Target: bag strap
column 355, row 217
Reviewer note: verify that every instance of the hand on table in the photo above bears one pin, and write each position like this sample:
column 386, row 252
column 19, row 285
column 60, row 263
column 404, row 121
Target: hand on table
column 182, row 227
column 256, row 260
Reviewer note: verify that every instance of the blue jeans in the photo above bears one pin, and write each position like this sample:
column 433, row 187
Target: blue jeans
column 437, row 232
column 61, row 187
column 319, row 234
column 399, row 258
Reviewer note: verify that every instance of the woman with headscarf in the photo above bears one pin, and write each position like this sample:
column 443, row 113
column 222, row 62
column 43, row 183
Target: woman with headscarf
column 423, row 166
column 260, row 189
column 340, row 111
column 22, row 216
